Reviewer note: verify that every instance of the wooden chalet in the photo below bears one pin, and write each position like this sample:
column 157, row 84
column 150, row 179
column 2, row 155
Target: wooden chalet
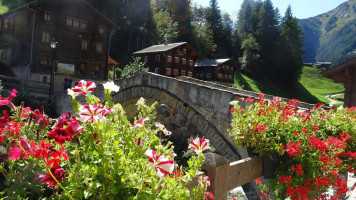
column 174, row 59
column 345, row 73
column 81, row 34
column 220, row 70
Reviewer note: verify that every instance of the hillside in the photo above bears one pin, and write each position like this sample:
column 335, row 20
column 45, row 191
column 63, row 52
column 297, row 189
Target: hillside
column 330, row 36
column 312, row 87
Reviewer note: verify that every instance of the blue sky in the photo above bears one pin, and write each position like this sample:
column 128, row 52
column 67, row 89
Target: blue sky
column 300, row 8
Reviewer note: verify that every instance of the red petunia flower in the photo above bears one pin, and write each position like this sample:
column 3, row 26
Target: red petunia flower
column 57, row 172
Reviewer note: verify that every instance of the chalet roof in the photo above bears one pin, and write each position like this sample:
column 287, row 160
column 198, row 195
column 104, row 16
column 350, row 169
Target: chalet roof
column 339, row 68
column 85, row 2
column 160, row 48
column 210, row 63
column 112, row 61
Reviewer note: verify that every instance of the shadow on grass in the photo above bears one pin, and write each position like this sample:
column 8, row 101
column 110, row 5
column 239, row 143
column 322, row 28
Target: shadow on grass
column 242, row 81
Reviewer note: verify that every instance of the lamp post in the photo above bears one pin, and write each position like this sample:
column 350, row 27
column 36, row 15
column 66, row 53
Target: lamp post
column 53, row 46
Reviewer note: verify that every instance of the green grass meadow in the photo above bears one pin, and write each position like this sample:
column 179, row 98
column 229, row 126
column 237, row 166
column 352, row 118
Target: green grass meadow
column 312, row 86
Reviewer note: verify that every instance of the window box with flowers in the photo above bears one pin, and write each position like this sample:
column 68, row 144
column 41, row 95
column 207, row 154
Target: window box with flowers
column 316, row 145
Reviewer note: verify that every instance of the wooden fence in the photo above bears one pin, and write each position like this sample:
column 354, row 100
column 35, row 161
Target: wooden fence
column 225, row 176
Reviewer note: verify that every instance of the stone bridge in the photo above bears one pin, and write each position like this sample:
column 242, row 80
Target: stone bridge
column 186, row 106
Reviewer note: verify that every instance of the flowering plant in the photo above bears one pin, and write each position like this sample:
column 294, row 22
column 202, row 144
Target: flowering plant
column 95, row 153
column 315, row 145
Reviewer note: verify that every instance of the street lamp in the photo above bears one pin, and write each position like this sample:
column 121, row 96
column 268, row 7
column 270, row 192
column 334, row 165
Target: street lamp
column 53, row 46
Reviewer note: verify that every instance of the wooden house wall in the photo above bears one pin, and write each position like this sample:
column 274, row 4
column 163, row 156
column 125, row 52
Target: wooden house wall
column 69, row 47
column 15, row 40
column 163, row 64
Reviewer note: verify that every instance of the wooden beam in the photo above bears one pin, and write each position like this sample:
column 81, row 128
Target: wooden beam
column 244, row 171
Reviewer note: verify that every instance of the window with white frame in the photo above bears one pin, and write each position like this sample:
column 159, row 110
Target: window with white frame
column 176, row 60
column 168, row 72
column 184, row 51
column 146, row 59
column 69, row 21
column 47, row 16
column 184, row 61
column 169, row 59
column 99, row 47
column 176, row 72
column 101, row 29
column 46, row 37
column 190, row 74
column 219, row 75
column 84, row 45
column 83, row 25
column 182, row 73
column 191, row 63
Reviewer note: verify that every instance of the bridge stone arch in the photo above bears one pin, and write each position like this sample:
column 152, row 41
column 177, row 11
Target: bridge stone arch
column 180, row 114
column 202, row 103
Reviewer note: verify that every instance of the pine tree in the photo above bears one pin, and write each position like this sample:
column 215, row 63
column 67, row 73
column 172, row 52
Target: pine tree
column 267, row 36
column 251, row 56
column 214, row 19
column 291, row 49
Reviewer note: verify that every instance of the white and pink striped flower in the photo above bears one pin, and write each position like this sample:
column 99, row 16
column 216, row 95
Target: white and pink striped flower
column 161, row 164
column 199, row 145
column 106, row 111
column 141, row 122
column 160, row 127
column 91, row 113
column 204, row 180
column 83, row 88
column 139, row 142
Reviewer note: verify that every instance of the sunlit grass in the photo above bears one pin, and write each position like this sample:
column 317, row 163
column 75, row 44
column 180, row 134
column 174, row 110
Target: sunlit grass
column 3, row 8
column 312, row 87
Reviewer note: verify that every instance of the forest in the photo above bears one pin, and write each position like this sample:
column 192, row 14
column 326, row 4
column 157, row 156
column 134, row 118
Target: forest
column 265, row 44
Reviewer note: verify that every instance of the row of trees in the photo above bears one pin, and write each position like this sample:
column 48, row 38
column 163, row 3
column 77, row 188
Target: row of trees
column 264, row 43
column 271, row 46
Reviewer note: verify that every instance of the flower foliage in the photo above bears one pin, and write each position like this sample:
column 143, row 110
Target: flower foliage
column 94, row 153
column 315, row 145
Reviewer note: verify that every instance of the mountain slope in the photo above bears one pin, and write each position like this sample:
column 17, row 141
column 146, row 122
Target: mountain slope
column 330, row 36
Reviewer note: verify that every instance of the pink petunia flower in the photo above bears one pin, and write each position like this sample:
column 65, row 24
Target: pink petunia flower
column 139, row 142
column 7, row 101
column 161, row 164
column 91, row 113
column 83, row 88
column 141, row 122
column 204, row 180
column 160, row 127
column 199, row 145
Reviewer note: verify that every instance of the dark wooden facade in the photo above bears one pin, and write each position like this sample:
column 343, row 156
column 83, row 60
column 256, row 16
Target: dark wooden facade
column 174, row 59
column 81, row 32
column 345, row 73
column 220, row 70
